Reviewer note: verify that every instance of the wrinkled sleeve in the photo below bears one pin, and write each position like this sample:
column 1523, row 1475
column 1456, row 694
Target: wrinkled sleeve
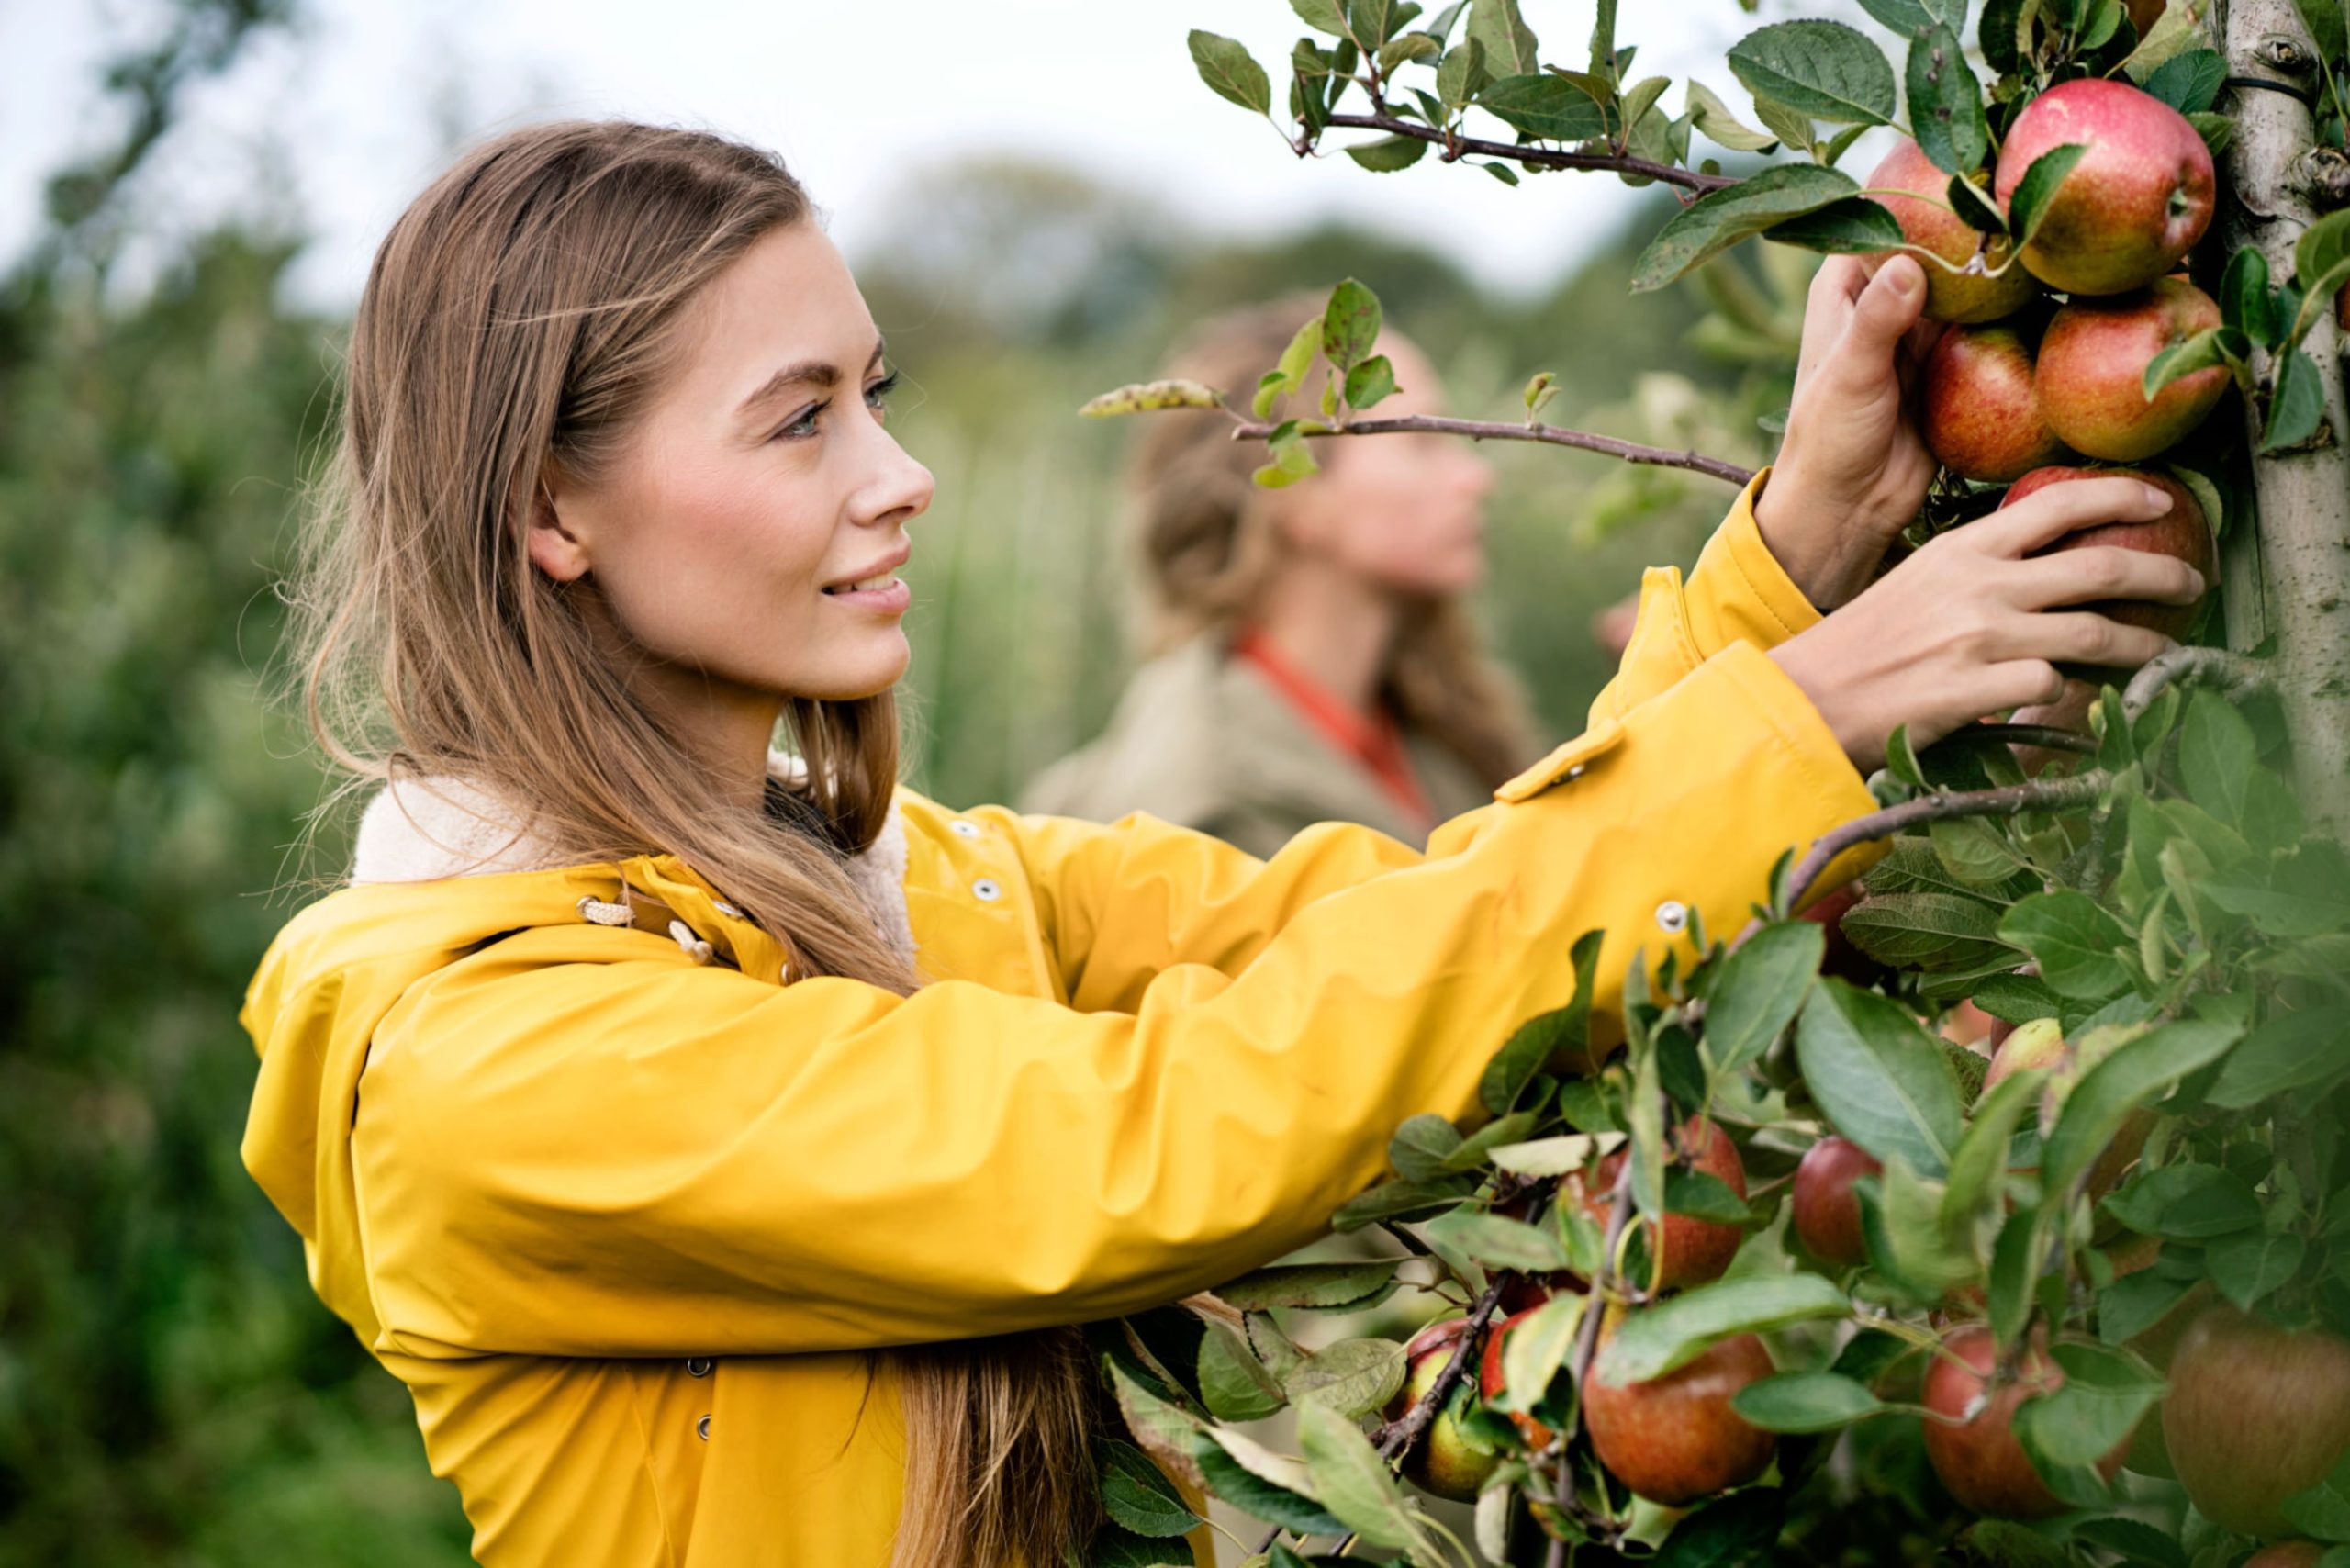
column 1737, row 593
column 641, row 1157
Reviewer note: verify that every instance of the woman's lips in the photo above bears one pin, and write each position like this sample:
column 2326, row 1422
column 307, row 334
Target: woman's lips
column 892, row 598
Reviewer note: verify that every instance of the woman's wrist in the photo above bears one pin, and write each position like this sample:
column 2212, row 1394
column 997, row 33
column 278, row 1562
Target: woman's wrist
column 1829, row 551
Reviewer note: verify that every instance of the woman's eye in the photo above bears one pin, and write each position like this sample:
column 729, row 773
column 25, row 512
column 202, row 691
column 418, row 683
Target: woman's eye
column 876, row 395
column 804, row 424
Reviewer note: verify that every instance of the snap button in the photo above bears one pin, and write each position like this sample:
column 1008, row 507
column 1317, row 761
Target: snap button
column 961, row 829
column 986, row 890
column 699, row 1366
column 1577, row 771
column 701, row 1429
column 1672, row 917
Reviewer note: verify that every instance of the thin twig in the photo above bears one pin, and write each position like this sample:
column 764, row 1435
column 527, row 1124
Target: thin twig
column 2046, row 794
column 1495, row 430
column 2046, row 736
column 1397, row 1437
column 1457, row 147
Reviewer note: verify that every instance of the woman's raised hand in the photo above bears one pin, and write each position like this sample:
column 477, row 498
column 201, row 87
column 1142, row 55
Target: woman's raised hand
column 1976, row 623
column 1853, row 469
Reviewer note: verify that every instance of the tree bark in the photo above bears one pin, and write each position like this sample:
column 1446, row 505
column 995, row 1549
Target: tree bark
column 2298, row 556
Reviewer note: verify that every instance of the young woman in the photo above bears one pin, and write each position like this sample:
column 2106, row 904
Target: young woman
column 721, row 1145
column 1310, row 657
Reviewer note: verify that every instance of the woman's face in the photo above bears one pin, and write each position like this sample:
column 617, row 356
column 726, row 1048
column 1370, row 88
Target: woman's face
column 1406, row 512
column 750, row 535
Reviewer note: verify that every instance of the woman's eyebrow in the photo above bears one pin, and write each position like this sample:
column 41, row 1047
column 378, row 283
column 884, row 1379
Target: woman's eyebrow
column 808, row 372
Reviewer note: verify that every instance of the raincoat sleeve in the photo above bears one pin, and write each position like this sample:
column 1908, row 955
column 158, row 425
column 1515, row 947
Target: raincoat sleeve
column 604, row 1150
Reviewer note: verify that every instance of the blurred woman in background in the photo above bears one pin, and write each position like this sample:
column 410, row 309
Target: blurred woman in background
column 1311, row 655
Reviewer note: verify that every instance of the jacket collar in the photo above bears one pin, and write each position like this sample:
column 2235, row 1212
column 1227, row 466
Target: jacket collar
column 421, row 830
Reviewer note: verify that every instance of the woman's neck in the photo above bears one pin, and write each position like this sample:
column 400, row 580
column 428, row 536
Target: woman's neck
column 1331, row 626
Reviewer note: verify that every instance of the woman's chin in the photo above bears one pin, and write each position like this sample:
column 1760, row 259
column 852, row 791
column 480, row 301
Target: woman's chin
column 876, row 671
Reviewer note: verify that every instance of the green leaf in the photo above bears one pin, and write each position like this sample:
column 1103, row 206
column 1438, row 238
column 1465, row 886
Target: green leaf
column 1369, row 381
column 2077, row 943
column 1879, row 1077
column 2323, row 1511
column 1701, row 1194
column 1759, row 988
column 1853, row 227
column 1981, row 1161
column 2303, row 1051
column 1911, row 18
column 2296, row 406
column 2189, row 83
column 1399, row 1200
column 1138, row 1494
column 1805, row 1402
column 1974, row 852
column 1499, row 1241
column 1462, row 75
column 2029, row 204
column 1534, row 1351
column 2135, row 1302
column 1404, row 47
column 1510, row 46
column 2016, row 999
column 1167, row 1431
column 1901, row 1215
column 1261, row 1484
column 1937, row 932
column 1676, row 1330
column 1417, row 1150
column 1546, row 1157
column 1715, row 122
column 1230, row 72
column 2191, row 1202
column 1721, row 218
column 1373, row 22
column 1353, row 1377
column 1322, row 15
column 1389, row 154
column 1535, row 1041
column 2016, row 1259
column 2217, row 756
column 2106, row 1393
column 1233, row 1384
column 1150, row 396
column 2137, row 1072
column 1795, row 129
column 1825, row 69
column 2253, row 1264
column 1946, row 104
column 2211, row 347
column 1351, row 325
column 1113, row 1546
column 1549, row 108
column 1352, row 1480
column 2244, row 298
column 1477, row 1148
column 1312, row 1285
column 2217, row 131
column 2324, row 20
column 1740, row 1531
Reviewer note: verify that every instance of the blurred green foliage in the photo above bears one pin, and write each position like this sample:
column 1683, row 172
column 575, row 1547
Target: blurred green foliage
column 170, row 1391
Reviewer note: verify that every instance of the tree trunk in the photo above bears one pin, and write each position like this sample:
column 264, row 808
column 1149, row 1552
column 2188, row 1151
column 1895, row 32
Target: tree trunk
column 2288, row 579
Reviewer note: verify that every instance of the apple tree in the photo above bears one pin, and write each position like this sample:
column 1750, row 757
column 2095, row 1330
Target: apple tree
column 1995, row 1207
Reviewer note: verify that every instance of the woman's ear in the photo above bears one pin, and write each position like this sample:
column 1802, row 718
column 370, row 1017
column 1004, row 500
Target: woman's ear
column 554, row 548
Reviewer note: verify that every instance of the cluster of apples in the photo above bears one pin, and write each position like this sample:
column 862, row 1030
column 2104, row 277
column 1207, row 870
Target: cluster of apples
column 2020, row 387
column 2256, row 1412
column 1671, row 1439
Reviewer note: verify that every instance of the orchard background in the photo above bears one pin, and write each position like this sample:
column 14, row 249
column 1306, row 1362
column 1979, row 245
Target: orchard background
column 170, row 1392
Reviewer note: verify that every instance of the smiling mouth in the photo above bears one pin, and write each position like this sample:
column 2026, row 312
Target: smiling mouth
column 870, row 585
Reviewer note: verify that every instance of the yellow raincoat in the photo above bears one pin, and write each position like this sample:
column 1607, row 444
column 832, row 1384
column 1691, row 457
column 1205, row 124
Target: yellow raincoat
column 625, row 1214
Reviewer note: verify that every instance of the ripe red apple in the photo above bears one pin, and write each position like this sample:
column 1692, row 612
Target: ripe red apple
column 2138, row 198
column 1843, row 958
column 1980, row 412
column 2181, row 532
column 1927, row 222
column 2256, row 1413
column 1675, row 1438
column 2286, row 1554
column 2091, row 374
column 1692, row 1251
column 1827, row 1211
column 1491, row 1382
column 1441, row 1464
column 1980, row 1458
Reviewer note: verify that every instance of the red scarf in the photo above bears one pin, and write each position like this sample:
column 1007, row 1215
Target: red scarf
column 1374, row 740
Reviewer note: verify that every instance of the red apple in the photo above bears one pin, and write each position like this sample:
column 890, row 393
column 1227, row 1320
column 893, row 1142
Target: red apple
column 1827, row 1210
column 2286, row 1554
column 1979, row 1456
column 1692, row 1251
column 1441, row 1464
column 1675, row 1438
column 2138, row 198
column 2092, row 369
column 1927, row 222
column 2256, row 1413
column 1843, row 958
column 2181, row 532
column 1491, row 1382
column 1979, row 411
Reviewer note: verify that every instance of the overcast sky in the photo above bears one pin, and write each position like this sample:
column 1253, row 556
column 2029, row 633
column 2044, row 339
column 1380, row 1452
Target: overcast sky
column 853, row 92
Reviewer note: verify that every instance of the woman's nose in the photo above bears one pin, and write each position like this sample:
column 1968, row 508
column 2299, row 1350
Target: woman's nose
column 901, row 488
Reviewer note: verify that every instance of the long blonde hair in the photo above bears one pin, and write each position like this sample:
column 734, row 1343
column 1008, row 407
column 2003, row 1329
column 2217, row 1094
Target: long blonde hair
column 1207, row 552
column 516, row 320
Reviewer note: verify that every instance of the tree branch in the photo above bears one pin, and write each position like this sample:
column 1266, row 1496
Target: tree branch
column 1396, row 1438
column 2234, row 675
column 2045, row 794
column 1495, row 430
column 1458, row 147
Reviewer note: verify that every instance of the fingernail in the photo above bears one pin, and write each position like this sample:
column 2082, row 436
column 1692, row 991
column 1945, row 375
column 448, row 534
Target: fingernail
column 1906, row 280
column 2157, row 499
column 2197, row 577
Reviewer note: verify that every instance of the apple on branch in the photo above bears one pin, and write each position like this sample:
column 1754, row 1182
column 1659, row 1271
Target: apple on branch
column 2140, row 197
column 2090, row 377
column 1973, row 1448
column 2256, row 1413
column 1675, row 1438
column 1979, row 403
column 2181, row 532
column 1442, row 1463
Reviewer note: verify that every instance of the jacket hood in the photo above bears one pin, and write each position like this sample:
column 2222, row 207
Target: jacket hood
column 439, row 867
